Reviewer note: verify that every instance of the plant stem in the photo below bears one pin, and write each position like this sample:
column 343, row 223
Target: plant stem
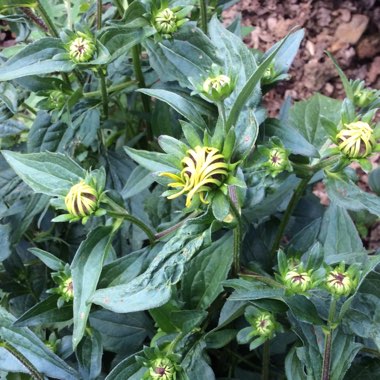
column 288, row 212
column 203, row 9
column 110, row 90
column 119, row 6
column 69, row 14
column 103, row 87
column 48, row 21
column 99, row 9
column 222, row 113
column 237, row 231
column 328, row 341
column 141, row 84
column 22, row 359
column 169, row 230
column 266, row 361
column 29, row 108
column 121, row 212
column 34, row 18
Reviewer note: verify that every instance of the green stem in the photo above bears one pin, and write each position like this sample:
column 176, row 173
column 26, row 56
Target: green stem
column 110, row 90
column 266, row 361
column 328, row 341
column 34, row 18
column 237, row 231
column 119, row 6
column 48, row 21
column 22, row 359
column 99, row 9
column 203, row 9
column 222, row 113
column 288, row 212
column 141, row 84
column 29, row 108
column 103, row 88
column 120, row 212
column 69, row 13
column 175, row 227
column 311, row 170
column 265, row 280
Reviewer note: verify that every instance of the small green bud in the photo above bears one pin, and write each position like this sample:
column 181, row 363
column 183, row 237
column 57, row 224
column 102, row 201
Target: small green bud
column 65, row 287
column 356, row 140
column 340, row 283
column 298, row 281
column 166, row 21
column 264, row 324
column 217, row 88
column 82, row 48
column 162, row 369
column 81, row 200
column 56, row 99
column 363, row 97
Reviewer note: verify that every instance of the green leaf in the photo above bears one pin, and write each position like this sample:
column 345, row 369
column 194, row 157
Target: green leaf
column 180, row 104
column 48, row 259
column 246, row 92
column 8, row 96
column 220, row 205
column 26, row 342
column 139, row 180
column 85, row 270
column 290, row 137
column 119, row 40
column 202, row 282
column 122, row 332
column 127, row 369
column 36, row 59
column 45, row 135
column 89, row 355
column 48, row 173
column 11, row 128
column 294, row 368
column 17, row 3
column 5, row 244
column 219, row 339
column 153, row 287
column 346, row 84
column 305, row 116
column 338, row 233
column 303, row 309
column 195, row 365
column 170, row 145
column 349, row 196
column 373, row 180
column 45, row 312
column 153, row 161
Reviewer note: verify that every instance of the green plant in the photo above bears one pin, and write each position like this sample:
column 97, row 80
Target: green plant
column 189, row 235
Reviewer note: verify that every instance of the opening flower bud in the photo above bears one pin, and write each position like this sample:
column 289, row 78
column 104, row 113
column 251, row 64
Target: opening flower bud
column 162, row 369
column 82, row 48
column 81, row 200
column 339, row 283
column 204, row 169
column 356, row 140
column 298, row 281
column 218, row 87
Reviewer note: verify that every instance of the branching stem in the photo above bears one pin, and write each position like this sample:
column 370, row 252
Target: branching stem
column 203, row 11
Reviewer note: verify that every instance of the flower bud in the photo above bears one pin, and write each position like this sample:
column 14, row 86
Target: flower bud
column 163, row 369
column 218, row 87
column 81, row 200
column 264, row 324
column 166, row 21
column 340, row 283
column 81, row 48
column 356, row 140
column 56, row 100
column 363, row 97
column 298, row 281
column 204, row 169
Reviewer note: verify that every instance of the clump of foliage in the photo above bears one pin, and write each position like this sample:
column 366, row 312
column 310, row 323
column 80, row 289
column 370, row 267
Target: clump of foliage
column 156, row 223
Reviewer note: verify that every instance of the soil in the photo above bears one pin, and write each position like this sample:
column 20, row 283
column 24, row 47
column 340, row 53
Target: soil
column 350, row 30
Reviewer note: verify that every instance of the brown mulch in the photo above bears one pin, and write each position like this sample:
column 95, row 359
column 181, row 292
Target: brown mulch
column 350, row 30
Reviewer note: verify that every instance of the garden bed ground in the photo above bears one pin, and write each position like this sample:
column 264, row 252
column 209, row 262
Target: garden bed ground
column 348, row 29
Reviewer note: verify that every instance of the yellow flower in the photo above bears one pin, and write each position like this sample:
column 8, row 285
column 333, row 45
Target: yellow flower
column 204, row 168
column 356, row 140
column 81, row 200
